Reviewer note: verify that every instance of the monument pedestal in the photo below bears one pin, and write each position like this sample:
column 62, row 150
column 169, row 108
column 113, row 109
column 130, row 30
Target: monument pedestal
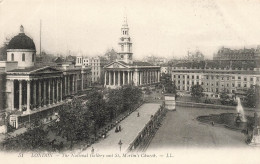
column 255, row 140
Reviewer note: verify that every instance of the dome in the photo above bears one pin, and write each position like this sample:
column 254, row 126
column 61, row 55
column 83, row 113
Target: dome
column 21, row 41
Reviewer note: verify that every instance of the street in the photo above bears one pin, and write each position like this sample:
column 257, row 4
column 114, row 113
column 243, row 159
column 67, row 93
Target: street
column 131, row 126
column 180, row 129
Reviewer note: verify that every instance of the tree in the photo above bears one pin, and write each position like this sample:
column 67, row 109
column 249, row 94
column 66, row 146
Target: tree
column 197, row 91
column 33, row 139
column 252, row 97
column 226, row 100
column 75, row 122
column 168, row 84
column 3, row 54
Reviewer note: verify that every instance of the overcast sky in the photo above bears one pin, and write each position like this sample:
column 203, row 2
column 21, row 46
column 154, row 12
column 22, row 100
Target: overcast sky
column 160, row 27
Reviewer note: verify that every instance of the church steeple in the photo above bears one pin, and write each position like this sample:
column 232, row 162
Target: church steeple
column 125, row 45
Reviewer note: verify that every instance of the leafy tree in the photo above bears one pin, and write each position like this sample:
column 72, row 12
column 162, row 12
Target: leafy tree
column 197, row 91
column 96, row 105
column 168, row 84
column 75, row 122
column 252, row 97
column 33, row 139
column 226, row 100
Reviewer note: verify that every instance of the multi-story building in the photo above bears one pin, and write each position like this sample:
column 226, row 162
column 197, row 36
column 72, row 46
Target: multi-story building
column 125, row 71
column 28, row 89
column 97, row 67
column 237, row 55
column 215, row 76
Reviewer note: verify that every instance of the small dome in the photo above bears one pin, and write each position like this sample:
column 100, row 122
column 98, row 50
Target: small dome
column 21, row 41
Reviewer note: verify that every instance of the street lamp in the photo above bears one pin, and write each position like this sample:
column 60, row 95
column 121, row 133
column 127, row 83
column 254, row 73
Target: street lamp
column 120, row 144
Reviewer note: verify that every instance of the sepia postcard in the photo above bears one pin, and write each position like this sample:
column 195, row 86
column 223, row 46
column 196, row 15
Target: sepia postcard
column 133, row 81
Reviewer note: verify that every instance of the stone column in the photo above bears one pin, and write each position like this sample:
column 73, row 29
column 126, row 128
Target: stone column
column 141, row 78
column 128, row 77
column 28, row 96
column 65, row 85
column 158, row 76
column 118, row 76
column 34, row 94
column 20, row 95
column 57, row 90
column 73, row 84
column 76, row 84
column 150, row 77
column 105, row 82
column 123, row 77
column 40, row 93
column 136, row 77
column 12, row 95
column 61, row 90
column 53, row 91
column 49, row 91
column 185, row 82
column 69, row 81
column 82, row 81
column 114, row 78
column 147, row 77
column 109, row 78
column 44, row 93
column 131, row 78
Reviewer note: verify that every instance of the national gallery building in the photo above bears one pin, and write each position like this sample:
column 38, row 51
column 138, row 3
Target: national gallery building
column 29, row 89
column 125, row 71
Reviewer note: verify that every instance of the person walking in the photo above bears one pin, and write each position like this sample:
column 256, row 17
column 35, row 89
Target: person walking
column 92, row 150
column 119, row 128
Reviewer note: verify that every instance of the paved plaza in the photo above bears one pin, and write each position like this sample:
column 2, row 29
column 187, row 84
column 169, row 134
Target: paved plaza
column 180, row 129
column 131, row 126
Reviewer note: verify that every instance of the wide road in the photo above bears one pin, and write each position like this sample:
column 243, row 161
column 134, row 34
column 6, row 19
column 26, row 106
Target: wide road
column 131, row 126
column 180, row 129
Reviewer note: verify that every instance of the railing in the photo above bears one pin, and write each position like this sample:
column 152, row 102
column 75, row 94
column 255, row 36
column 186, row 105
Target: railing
column 147, row 133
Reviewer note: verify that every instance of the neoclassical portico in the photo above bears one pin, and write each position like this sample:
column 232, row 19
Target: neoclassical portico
column 33, row 88
column 125, row 71
column 119, row 73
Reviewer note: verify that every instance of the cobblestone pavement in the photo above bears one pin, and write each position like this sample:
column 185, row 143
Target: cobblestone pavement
column 131, row 126
column 180, row 129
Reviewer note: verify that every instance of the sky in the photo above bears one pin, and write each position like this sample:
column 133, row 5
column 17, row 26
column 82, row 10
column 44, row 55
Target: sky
column 166, row 28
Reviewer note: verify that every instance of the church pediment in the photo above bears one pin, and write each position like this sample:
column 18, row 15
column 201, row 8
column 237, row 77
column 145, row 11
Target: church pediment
column 45, row 70
column 116, row 65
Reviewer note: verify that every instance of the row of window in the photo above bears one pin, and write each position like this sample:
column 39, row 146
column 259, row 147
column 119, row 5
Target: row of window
column 212, row 84
column 217, row 77
column 23, row 57
column 188, row 76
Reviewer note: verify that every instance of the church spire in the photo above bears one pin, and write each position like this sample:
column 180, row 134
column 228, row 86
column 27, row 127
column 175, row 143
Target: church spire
column 125, row 21
column 125, row 45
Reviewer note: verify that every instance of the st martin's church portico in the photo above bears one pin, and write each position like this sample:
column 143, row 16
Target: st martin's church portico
column 125, row 71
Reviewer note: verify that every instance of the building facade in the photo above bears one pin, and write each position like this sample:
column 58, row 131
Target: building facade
column 97, row 67
column 31, row 89
column 125, row 71
column 217, row 76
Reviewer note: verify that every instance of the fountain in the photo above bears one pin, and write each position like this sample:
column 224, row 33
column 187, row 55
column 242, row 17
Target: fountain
column 240, row 112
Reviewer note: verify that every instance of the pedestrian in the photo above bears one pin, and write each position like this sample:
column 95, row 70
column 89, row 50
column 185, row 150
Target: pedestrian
column 92, row 150
column 116, row 130
column 138, row 114
column 212, row 123
column 119, row 128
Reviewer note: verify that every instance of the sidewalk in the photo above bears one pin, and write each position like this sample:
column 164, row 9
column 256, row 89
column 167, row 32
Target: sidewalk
column 131, row 126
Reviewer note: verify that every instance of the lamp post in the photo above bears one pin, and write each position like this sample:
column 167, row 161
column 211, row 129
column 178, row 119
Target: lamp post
column 120, row 144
